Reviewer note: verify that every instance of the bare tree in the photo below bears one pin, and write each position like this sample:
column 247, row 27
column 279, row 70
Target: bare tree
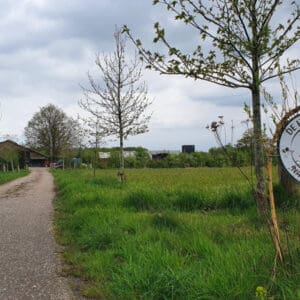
column 52, row 130
column 245, row 45
column 120, row 101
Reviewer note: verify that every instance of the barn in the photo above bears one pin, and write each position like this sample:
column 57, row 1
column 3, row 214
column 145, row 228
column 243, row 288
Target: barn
column 10, row 150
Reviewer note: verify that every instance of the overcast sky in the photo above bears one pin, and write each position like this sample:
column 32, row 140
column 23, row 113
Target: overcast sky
column 48, row 46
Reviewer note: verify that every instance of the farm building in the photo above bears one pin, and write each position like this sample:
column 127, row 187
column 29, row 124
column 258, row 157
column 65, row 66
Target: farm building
column 13, row 153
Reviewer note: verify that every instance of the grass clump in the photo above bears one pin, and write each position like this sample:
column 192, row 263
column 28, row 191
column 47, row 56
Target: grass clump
column 145, row 200
column 284, row 200
column 12, row 175
column 165, row 220
column 191, row 201
column 234, row 199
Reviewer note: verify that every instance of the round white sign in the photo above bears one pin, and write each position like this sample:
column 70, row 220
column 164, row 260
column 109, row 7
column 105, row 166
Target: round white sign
column 289, row 147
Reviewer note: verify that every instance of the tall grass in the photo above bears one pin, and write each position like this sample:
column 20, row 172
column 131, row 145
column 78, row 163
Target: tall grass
column 171, row 234
column 12, row 175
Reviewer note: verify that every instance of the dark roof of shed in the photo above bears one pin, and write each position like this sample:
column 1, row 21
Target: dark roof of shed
column 21, row 148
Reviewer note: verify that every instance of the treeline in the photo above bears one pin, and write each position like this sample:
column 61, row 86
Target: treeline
column 216, row 157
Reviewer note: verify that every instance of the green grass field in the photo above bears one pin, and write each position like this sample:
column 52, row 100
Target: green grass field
column 9, row 176
column 173, row 234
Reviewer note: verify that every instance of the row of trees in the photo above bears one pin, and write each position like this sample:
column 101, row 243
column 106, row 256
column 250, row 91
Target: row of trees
column 215, row 157
column 59, row 136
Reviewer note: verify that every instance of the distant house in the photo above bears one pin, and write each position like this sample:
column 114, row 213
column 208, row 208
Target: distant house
column 25, row 156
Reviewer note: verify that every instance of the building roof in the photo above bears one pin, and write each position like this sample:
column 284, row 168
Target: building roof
column 11, row 144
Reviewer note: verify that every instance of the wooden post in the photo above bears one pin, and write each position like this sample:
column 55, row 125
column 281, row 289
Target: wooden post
column 274, row 229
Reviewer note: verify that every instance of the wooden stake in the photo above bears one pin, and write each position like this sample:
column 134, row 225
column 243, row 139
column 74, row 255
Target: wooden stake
column 274, row 223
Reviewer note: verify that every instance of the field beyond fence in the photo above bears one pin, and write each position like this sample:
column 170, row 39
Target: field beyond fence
column 173, row 234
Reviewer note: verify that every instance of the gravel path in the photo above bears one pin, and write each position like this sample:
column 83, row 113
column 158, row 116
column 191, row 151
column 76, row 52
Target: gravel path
column 29, row 264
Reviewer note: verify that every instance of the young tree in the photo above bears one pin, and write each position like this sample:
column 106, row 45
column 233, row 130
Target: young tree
column 52, row 130
column 120, row 101
column 245, row 45
column 97, row 136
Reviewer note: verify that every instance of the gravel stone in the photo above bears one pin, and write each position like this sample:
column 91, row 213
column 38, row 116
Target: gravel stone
column 29, row 261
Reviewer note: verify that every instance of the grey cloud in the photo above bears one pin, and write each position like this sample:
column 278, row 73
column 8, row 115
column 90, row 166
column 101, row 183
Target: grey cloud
column 94, row 20
column 31, row 25
column 226, row 98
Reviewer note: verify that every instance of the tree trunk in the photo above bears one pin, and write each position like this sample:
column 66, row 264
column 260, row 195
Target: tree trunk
column 94, row 167
column 95, row 159
column 12, row 165
column 273, row 225
column 96, row 152
column 121, row 173
column 51, row 146
column 260, row 198
column 120, row 116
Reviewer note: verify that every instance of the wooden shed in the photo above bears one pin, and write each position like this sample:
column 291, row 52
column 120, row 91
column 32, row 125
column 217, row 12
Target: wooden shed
column 10, row 150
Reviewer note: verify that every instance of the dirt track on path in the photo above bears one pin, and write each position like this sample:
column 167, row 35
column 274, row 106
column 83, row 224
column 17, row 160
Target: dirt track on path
column 29, row 264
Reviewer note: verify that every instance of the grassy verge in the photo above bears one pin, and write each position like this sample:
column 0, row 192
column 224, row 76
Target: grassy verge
column 172, row 234
column 9, row 176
